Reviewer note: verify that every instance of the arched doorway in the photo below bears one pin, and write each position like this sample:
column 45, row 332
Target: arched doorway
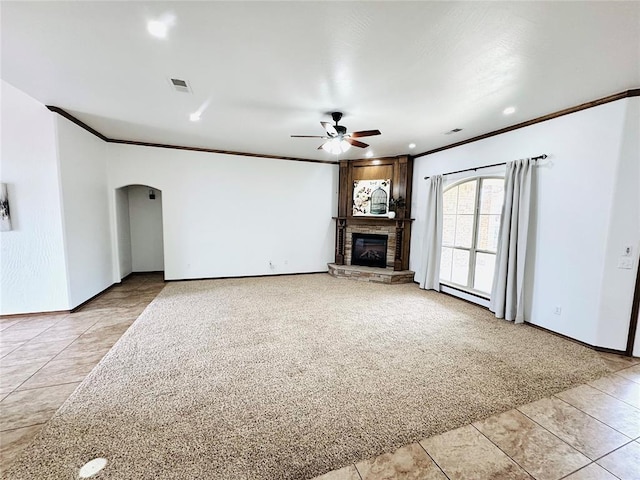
column 139, row 227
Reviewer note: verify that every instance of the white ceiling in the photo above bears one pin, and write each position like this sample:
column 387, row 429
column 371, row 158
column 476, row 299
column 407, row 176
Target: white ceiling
column 266, row 70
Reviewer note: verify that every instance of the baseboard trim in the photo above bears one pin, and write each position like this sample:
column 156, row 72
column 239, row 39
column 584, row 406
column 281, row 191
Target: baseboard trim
column 244, row 276
column 35, row 314
column 584, row 344
column 78, row 307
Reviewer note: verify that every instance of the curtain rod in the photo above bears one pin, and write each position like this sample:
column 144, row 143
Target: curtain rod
column 539, row 157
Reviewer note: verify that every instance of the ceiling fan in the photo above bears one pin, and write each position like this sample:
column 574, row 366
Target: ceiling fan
column 338, row 139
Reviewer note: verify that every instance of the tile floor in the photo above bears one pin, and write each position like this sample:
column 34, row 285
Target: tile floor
column 43, row 358
column 591, row 432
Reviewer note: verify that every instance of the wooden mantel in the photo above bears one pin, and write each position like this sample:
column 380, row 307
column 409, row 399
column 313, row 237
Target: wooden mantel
column 400, row 171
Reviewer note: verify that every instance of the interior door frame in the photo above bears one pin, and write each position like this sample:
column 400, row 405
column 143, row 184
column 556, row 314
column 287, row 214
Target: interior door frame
column 633, row 322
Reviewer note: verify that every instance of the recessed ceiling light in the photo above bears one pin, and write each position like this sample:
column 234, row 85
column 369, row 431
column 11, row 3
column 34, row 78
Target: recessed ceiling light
column 412, row 145
column 157, row 28
column 369, row 154
column 509, row 110
column 194, row 117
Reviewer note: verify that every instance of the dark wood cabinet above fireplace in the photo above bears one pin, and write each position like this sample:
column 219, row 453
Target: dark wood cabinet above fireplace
column 398, row 230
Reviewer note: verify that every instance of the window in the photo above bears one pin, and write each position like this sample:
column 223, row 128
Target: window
column 471, row 223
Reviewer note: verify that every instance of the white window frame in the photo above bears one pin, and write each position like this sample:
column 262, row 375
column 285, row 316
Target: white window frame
column 473, row 251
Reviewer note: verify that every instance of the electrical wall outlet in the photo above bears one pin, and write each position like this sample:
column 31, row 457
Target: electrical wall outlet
column 625, row 263
column 557, row 311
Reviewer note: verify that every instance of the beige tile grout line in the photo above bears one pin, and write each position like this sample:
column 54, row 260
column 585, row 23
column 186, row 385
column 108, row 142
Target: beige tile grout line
column 600, row 458
column 599, row 421
column 46, row 363
column 613, row 396
column 591, row 461
column 357, row 471
column 572, row 405
column 495, row 445
column 434, row 460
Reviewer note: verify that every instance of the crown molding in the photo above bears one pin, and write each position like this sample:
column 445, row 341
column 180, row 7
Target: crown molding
column 595, row 103
column 93, row 131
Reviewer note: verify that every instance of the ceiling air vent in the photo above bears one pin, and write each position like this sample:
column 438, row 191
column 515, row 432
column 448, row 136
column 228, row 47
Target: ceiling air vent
column 180, row 85
column 455, row 130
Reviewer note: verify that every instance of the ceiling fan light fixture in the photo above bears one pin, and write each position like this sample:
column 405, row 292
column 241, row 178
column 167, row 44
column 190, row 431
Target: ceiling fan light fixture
column 336, row 146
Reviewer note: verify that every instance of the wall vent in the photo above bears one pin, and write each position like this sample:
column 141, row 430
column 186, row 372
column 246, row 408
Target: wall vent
column 180, row 85
column 455, row 130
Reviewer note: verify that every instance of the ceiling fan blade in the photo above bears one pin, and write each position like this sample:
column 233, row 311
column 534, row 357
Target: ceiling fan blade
column 331, row 130
column 356, row 143
column 365, row 133
column 309, row 136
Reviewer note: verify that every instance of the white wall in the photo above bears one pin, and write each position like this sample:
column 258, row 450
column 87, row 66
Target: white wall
column 579, row 222
column 147, row 249
column 227, row 215
column 33, row 272
column 87, row 226
column 624, row 230
column 123, row 232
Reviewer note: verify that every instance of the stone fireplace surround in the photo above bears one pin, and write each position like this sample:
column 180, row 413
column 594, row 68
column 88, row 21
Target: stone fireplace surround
column 398, row 230
column 389, row 231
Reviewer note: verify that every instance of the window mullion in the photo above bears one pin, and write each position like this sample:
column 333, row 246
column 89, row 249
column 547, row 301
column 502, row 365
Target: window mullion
column 474, row 238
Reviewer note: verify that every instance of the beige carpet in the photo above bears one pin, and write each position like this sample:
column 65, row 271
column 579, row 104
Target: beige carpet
column 290, row 377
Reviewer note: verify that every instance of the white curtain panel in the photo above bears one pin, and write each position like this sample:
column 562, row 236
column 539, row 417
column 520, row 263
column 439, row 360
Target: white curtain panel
column 507, row 292
column 429, row 273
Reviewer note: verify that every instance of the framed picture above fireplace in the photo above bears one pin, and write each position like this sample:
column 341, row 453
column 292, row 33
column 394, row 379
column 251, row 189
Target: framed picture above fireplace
column 371, row 198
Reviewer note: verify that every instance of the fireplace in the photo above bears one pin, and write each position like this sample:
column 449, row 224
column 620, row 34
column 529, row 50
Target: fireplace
column 369, row 250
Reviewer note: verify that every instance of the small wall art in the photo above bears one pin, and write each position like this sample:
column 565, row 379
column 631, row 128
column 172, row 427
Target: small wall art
column 371, row 197
column 5, row 215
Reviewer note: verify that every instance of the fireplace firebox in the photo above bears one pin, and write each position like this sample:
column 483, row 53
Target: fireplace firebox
column 369, row 250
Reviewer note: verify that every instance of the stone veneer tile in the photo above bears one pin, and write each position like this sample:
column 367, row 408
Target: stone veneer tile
column 535, row 449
